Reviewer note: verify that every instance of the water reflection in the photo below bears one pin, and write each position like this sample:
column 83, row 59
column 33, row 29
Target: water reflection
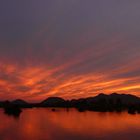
column 44, row 124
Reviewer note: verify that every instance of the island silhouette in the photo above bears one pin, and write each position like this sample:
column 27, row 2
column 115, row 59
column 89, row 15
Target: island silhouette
column 101, row 103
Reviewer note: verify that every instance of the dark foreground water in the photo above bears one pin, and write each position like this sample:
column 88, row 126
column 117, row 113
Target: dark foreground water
column 43, row 124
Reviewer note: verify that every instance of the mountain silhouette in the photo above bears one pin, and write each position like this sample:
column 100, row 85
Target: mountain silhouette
column 19, row 102
column 53, row 102
column 125, row 98
column 101, row 103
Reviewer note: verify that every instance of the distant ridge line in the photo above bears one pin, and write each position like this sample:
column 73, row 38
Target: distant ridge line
column 101, row 103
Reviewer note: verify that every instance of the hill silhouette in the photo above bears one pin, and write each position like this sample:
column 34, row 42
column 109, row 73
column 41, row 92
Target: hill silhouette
column 102, row 103
column 19, row 101
column 53, row 102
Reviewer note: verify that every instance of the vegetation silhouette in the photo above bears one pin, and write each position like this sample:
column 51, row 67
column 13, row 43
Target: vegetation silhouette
column 11, row 109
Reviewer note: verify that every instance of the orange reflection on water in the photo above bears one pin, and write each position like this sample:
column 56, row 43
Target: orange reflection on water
column 43, row 124
column 95, row 123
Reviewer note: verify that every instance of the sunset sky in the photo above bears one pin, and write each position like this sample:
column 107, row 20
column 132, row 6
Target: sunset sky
column 69, row 48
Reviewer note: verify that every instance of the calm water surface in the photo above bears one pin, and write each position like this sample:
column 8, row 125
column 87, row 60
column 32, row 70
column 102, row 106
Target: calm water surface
column 43, row 124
